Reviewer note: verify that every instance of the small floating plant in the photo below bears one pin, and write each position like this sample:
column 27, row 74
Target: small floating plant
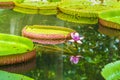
column 15, row 49
column 47, row 34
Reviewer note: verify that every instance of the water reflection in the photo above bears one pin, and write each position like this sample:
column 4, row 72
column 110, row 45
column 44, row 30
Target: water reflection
column 98, row 49
column 110, row 32
column 49, row 65
column 20, row 67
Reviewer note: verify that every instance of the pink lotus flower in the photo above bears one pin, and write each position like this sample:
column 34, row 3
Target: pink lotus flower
column 76, row 38
column 75, row 59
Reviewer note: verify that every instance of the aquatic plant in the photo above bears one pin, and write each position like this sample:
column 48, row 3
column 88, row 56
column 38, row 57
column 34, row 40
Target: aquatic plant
column 110, row 18
column 69, row 48
column 76, row 38
column 15, row 49
column 12, row 76
column 75, row 59
column 82, row 9
column 77, row 18
column 111, row 71
column 39, row 7
column 47, row 34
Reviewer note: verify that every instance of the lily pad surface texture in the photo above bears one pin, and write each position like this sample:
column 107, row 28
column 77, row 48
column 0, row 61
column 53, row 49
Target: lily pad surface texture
column 47, row 34
column 111, row 71
column 11, row 76
column 110, row 19
column 14, row 49
column 36, row 7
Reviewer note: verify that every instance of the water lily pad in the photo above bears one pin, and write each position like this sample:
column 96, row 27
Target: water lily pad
column 12, row 76
column 85, row 8
column 77, row 19
column 30, row 7
column 110, row 18
column 14, row 49
column 111, row 71
column 47, row 34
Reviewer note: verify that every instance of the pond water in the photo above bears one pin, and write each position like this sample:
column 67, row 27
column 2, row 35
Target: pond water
column 100, row 46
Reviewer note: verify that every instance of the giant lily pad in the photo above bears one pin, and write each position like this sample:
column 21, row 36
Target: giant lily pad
column 77, row 19
column 15, row 49
column 110, row 18
column 111, row 71
column 47, row 34
column 30, row 7
column 84, row 8
column 12, row 76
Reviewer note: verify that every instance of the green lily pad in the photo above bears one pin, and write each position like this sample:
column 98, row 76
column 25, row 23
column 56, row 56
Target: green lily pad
column 110, row 18
column 14, row 49
column 77, row 19
column 47, row 34
column 10, row 44
column 29, row 7
column 111, row 71
column 84, row 8
column 12, row 76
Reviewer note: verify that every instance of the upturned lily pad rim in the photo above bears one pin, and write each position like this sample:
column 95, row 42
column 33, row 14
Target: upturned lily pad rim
column 46, row 27
column 15, row 42
column 86, row 12
column 77, row 19
column 49, row 35
column 50, row 5
column 105, row 18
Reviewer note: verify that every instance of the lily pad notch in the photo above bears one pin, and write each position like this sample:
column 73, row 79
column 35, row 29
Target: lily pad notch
column 47, row 34
column 15, row 49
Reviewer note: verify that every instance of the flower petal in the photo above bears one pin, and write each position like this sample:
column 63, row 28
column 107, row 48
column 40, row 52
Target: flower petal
column 74, row 34
column 81, row 38
column 71, row 40
column 79, row 42
column 74, row 59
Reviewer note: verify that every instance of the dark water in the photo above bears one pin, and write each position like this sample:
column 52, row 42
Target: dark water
column 100, row 47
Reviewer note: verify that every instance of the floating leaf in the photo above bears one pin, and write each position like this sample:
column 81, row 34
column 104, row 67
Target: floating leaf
column 110, row 18
column 11, row 76
column 47, row 34
column 15, row 49
column 111, row 71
